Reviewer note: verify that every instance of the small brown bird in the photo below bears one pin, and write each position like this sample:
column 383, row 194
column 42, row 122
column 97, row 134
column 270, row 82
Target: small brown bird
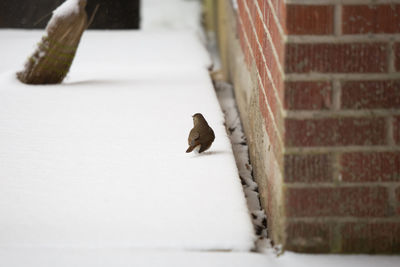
column 201, row 135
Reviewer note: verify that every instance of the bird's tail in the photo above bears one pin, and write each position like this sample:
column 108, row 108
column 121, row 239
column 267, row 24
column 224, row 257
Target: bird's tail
column 190, row 149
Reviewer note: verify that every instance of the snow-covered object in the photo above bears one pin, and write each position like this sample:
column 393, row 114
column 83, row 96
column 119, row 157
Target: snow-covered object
column 99, row 161
column 53, row 56
column 69, row 7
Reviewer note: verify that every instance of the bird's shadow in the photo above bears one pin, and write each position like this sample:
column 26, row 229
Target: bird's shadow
column 211, row 153
column 98, row 82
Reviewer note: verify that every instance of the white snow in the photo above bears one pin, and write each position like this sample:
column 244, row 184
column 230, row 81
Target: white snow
column 240, row 148
column 67, row 8
column 93, row 171
column 67, row 257
column 100, row 162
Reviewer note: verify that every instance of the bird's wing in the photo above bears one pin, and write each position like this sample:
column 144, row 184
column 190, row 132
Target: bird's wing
column 194, row 137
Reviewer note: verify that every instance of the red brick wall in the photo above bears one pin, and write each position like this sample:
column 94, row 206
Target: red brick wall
column 328, row 75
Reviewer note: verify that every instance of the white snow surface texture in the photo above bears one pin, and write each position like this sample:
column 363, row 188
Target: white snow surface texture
column 99, row 161
column 67, row 8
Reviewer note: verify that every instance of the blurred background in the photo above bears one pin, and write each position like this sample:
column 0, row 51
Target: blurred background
column 115, row 14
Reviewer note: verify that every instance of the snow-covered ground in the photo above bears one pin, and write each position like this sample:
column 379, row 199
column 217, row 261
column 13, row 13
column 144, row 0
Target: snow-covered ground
column 93, row 171
column 100, row 160
column 67, row 257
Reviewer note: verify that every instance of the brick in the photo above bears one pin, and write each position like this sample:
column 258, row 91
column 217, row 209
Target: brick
column 309, row 19
column 252, row 7
column 261, row 4
column 268, row 46
column 370, row 94
column 308, row 168
column 279, row 7
column 364, row 19
column 336, row 58
column 272, row 64
column 337, row 201
column 259, row 25
column 397, row 56
column 272, row 26
column 335, row 132
column 258, row 59
column 370, row 167
column 261, row 39
column 308, row 95
column 371, row 237
column 396, row 129
column 309, row 237
column 244, row 32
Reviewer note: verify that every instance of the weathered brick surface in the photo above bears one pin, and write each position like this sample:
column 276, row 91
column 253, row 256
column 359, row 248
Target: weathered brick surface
column 370, row 94
column 308, row 95
column 335, row 132
column 397, row 56
column 309, row 19
column 272, row 26
column 371, row 237
column 334, row 200
column 308, row 168
column 269, row 47
column 370, row 167
column 336, row 58
column 337, row 201
column 309, row 237
column 362, row 19
column 272, row 100
column 276, row 6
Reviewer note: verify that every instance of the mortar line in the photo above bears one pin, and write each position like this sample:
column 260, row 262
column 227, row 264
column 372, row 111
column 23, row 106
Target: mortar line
column 391, row 58
column 336, row 239
column 343, row 149
column 336, row 94
column 323, row 114
column 337, row 175
column 392, row 200
column 390, row 131
column 317, row 76
column 348, row 38
column 338, row 20
column 347, row 219
column 347, row 2
column 362, row 184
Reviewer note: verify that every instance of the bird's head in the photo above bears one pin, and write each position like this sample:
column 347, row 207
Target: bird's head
column 198, row 117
